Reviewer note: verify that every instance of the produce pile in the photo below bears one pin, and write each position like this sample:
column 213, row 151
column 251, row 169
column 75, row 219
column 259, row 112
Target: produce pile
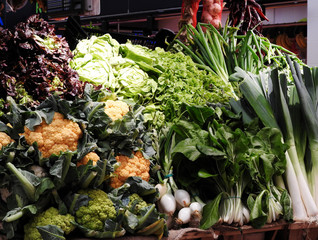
column 156, row 79
column 34, row 63
column 205, row 133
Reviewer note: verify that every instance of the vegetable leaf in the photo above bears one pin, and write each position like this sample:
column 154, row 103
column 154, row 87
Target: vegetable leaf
column 51, row 232
column 210, row 214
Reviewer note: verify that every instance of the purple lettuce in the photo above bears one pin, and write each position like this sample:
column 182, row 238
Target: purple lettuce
column 34, row 63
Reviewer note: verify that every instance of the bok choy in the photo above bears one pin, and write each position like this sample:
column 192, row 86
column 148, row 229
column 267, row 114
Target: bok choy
column 210, row 146
column 282, row 103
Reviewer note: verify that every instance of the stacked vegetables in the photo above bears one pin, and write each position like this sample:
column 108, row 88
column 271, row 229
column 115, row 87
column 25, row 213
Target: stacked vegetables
column 60, row 157
column 156, row 79
column 160, row 129
column 215, row 156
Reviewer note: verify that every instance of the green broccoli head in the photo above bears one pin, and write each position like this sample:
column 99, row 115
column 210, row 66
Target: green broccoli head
column 99, row 208
column 49, row 217
column 136, row 203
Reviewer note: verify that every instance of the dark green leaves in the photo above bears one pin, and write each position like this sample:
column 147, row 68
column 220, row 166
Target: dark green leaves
column 214, row 148
column 258, row 215
column 211, row 213
column 286, row 202
column 142, row 188
column 101, row 234
column 51, row 232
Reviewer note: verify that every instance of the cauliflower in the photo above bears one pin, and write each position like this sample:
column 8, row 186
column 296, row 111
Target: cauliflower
column 136, row 203
column 136, row 166
column 38, row 171
column 90, row 156
column 5, row 139
column 49, row 217
column 58, row 136
column 116, row 109
column 99, row 208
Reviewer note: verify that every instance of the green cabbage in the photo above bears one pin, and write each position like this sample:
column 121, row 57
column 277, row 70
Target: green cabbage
column 159, row 80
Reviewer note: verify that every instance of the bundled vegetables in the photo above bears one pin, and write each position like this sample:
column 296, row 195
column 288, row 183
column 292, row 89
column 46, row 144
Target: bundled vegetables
column 286, row 102
column 212, row 147
column 138, row 154
column 220, row 51
column 211, row 12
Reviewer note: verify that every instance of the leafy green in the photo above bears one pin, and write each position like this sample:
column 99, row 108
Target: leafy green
column 59, row 173
column 278, row 105
column 211, row 213
column 159, row 80
column 210, row 146
column 51, row 232
column 34, row 64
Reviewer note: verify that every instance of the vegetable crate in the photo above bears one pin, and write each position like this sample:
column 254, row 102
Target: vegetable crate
column 274, row 231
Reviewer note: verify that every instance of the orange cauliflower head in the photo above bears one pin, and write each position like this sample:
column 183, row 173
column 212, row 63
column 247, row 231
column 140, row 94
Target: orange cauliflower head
column 137, row 166
column 5, row 139
column 58, row 136
column 116, row 109
column 90, row 156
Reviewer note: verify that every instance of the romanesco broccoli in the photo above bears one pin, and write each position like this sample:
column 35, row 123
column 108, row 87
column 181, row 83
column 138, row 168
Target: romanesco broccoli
column 49, row 217
column 99, row 208
column 136, row 203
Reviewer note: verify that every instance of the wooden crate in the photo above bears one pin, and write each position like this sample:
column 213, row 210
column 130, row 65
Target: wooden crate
column 181, row 234
column 274, row 231
column 303, row 231
column 192, row 234
column 268, row 232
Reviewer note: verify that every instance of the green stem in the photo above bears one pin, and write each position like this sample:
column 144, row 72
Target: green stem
column 25, row 183
column 88, row 179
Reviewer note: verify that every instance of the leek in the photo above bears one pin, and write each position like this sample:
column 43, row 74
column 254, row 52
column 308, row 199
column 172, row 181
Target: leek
column 263, row 100
column 307, row 96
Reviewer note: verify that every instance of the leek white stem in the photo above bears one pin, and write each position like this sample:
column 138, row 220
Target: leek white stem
column 307, row 198
column 299, row 211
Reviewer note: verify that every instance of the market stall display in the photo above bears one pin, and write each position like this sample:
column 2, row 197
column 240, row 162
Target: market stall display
column 131, row 141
